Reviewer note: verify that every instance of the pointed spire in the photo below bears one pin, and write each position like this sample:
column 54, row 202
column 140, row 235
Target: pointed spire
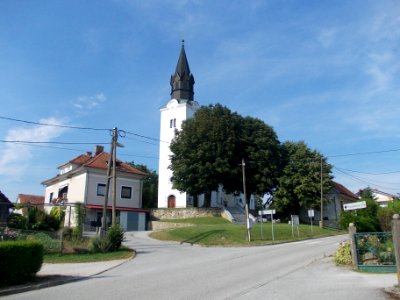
column 182, row 80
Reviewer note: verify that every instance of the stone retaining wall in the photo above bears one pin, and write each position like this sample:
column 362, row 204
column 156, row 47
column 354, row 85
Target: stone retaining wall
column 184, row 213
column 157, row 225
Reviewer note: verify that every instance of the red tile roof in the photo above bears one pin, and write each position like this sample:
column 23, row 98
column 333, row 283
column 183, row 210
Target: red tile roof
column 32, row 199
column 343, row 190
column 100, row 161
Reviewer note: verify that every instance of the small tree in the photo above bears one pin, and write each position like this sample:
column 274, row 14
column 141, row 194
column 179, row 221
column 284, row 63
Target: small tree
column 299, row 185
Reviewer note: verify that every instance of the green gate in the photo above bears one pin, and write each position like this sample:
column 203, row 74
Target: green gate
column 375, row 252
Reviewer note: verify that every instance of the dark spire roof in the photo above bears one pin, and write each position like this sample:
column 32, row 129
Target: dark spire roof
column 182, row 80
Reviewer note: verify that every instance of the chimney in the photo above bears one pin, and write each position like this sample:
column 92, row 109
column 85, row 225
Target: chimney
column 99, row 149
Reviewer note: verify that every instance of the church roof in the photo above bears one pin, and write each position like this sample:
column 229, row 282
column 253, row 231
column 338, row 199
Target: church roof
column 182, row 80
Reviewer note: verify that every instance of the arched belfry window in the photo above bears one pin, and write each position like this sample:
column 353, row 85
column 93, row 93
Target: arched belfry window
column 172, row 123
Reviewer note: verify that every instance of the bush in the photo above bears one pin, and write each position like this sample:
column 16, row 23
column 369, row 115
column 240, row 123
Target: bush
column 115, row 236
column 19, row 261
column 49, row 245
column 343, row 255
column 17, row 221
column 100, row 245
column 366, row 220
column 385, row 214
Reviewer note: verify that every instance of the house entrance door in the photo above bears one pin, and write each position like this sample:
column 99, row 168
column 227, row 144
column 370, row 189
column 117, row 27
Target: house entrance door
column 171, row 201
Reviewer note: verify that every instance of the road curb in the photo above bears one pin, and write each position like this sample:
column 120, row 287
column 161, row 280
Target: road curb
column 55, row 280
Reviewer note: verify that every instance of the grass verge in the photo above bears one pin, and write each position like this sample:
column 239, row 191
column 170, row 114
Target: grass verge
column 122, row 253
column 219, row 232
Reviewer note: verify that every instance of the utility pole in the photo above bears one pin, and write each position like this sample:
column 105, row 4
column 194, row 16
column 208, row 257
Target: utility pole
column 109, row 168
column 245, row 201
column 114, row 177
column 321, row 223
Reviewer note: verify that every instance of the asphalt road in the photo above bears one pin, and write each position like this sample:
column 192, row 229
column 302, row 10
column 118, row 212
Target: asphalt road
column 300, row 270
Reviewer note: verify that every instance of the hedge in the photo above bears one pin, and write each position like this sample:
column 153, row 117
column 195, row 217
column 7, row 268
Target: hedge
column 19, row 261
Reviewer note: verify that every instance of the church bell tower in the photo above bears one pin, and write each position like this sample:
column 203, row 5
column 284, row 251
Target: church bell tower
column 181, row 107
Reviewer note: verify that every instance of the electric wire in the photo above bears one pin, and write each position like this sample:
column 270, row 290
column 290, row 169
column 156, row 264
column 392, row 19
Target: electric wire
column 54, row 125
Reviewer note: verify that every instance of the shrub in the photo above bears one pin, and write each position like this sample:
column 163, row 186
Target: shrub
column 385, row 214
column 100, row 245
column 17, row 221
column 343, row 255
column 365, row 220
column 115, row 236
column 49, row 245
column 19, row 261
column 67, row 233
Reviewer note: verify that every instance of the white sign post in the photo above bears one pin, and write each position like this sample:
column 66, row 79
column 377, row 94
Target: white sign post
column 311, row 216
column 355, row 205
column 295, row 221
column 268, row 212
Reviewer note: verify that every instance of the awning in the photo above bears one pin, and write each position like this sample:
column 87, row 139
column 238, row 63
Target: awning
column 93, row 206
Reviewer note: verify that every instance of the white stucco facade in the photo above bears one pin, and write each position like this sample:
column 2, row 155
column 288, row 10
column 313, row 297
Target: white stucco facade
column 172, row 116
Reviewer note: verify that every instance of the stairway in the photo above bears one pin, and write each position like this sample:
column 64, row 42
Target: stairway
column 237, row 214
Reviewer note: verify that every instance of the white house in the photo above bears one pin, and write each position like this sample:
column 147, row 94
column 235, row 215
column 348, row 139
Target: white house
column 83, row 180
column 382, row 198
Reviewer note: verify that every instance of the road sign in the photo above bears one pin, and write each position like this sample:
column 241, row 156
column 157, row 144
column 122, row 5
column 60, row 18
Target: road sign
column 267, row 212
column 355, row 205
column 311, row 213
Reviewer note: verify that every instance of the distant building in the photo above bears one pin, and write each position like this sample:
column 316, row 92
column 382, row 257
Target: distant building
column 382, row 198
column 29, row 201
column 333, row 205
column 83, row 180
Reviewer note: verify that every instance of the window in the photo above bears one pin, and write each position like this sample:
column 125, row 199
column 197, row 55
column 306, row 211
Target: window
column 126, row 192
column 51, row 197
column 101, row 189
column 172, row 123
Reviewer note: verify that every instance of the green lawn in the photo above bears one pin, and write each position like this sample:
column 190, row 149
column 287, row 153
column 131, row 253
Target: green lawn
column 219, row 232
column 123, row 253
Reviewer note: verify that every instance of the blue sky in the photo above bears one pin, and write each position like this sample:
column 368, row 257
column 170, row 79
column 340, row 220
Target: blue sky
column 326, row 72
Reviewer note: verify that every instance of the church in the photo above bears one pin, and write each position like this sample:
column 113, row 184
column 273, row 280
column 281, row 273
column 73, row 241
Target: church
column 181, row 107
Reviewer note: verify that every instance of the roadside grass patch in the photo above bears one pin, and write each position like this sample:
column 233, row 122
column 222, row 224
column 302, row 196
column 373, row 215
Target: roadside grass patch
column 55, row 258
column 220, row 232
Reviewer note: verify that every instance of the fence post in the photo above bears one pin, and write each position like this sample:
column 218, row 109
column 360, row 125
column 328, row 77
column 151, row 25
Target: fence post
column 352, row 240
column 396, row 243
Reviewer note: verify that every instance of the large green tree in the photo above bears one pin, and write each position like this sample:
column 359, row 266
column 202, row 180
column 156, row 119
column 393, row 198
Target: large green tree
column 150, row 186
column 300, row 182
column 209, row 149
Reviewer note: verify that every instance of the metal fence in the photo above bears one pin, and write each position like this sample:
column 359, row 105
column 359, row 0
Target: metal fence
column 375, row 252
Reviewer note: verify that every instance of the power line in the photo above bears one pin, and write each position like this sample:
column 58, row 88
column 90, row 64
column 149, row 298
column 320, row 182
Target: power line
column 50, row 147
column 146, row 142
column 362, row 180
column 367, row 173
column 146, row 137
column 54, row 125
column 57, row 143
column 365, row 153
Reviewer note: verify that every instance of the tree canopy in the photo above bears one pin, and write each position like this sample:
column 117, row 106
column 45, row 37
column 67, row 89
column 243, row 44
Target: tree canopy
column 300, row 182
column 150, row 186
column 208, row 151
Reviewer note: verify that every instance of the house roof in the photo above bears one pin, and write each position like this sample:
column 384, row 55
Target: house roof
column 4, row 199
column 100, row 161
column 32, row 199
column 343, row 190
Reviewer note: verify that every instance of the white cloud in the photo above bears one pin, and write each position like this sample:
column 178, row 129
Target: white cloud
column 14, row 159
column 84, row 104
